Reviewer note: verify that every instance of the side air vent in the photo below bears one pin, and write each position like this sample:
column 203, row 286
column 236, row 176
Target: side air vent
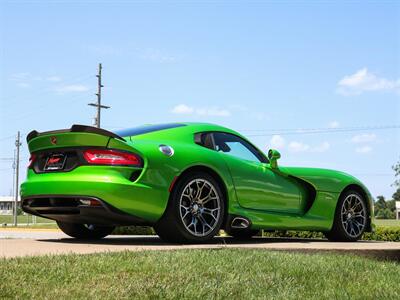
column 240, row 223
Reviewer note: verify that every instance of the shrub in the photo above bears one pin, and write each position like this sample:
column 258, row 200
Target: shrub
column 389, row 234
column 296, row 234
column 134, row 230
column 382, row 233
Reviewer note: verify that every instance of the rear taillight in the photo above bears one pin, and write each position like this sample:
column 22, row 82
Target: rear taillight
column 31, row 160
column 111, row 157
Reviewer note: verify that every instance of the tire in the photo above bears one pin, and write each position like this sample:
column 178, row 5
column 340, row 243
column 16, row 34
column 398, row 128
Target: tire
column 85, row 231
column 351, row 218
column 241, row 234
column 195, row 210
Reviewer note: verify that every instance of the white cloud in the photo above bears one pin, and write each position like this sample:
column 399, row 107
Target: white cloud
column 73, row 88
column 20, row 76
column 26, row 79
column 156, row 55
column 277, row 142
column 53, row 78
column 298, row 147
column 364, row 138
column 325, row 146
column 259, row 115
column 182, row 109
column 364, row 149
column 201, row 111
column 145, row 53
column 334, row 124
column 365, row 81
column 256, row 114
column 213, row 111
column 23, row 85
column 103, row 50
column 295, row 146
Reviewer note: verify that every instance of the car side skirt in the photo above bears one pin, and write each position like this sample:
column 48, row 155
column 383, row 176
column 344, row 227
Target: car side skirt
column 319, row 217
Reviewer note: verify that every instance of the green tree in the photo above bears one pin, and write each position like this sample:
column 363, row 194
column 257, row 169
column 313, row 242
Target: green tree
column 385, row 214
column 380, row 203
column 379, row 207
column 396, row 169
column 396, row 195
column 390, row 204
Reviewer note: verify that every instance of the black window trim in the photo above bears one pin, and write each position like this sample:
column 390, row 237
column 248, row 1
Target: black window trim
column 253, row 149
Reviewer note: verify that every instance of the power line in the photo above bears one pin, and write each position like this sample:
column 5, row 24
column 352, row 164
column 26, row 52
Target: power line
column 80, row 79
column 322, row 128
column 45, row 106
column 318, row 130
column 373, row 174
column 6, row 138
column 46, row 90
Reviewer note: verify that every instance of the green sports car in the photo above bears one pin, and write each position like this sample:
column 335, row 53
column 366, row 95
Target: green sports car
column 188, row 181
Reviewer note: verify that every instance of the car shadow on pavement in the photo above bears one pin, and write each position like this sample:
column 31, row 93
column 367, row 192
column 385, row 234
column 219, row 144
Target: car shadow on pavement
column 151, row 240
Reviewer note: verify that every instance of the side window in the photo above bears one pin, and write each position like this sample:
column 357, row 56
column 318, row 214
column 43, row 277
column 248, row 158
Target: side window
column 204, row 139
column 235, row 146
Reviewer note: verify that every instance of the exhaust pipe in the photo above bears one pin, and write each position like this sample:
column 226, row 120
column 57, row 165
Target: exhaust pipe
column 240, row 223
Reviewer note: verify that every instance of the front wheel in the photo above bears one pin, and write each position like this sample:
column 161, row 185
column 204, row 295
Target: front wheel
column 195, row 211
column 85, row 231
column 351, row 218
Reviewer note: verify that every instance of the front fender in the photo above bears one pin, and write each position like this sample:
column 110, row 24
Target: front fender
column 324, row 179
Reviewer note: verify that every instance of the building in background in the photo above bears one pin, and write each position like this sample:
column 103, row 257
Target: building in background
column 397, row 210
column 6, row 205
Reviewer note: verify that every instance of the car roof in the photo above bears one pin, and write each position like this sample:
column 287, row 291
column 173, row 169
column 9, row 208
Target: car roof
column 183, row 127
column 198, row 127
column 182, row 131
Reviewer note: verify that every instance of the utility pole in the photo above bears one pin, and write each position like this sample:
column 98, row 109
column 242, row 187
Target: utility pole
column 13, row 166
column 98, row 94
column 18, row 145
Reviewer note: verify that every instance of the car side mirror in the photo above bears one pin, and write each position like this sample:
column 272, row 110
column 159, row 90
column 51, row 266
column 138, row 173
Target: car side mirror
column 273, row 156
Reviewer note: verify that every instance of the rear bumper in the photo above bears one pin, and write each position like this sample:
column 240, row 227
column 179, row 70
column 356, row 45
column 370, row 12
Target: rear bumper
column 143, row 199
column 70, row 209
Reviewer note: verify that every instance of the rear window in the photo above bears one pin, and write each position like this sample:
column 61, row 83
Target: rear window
column 147, row 129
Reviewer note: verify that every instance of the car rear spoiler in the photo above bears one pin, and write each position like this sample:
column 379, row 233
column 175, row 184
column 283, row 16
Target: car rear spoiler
column 75, row 128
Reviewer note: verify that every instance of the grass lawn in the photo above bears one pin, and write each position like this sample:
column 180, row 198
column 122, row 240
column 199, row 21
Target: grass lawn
column 199, row 274
column 51, row 225
column 387, row 223
column 9, row 219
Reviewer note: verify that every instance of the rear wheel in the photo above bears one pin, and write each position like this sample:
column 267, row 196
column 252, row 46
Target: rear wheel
column 195, row 212
column 85, row 231
column 351, row 218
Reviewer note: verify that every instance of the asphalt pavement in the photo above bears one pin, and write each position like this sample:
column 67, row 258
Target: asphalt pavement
column 30, row 242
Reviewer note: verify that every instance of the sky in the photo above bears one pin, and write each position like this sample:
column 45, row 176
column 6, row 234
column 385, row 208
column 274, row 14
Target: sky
column 274, row 71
